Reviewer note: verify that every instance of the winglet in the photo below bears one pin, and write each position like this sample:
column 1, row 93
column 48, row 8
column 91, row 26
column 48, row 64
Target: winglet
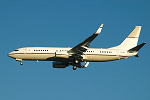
column 99, row 29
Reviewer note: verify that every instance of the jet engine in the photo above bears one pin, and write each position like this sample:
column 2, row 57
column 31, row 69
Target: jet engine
column 60, row 64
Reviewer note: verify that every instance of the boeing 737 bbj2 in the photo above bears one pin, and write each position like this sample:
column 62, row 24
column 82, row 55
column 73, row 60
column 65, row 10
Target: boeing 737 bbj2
column 64, row 57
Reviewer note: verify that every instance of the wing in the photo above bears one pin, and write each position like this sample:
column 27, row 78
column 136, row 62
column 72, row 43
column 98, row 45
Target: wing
column 83, row 46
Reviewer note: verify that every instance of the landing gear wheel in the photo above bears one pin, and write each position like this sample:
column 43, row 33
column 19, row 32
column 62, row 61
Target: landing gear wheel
column 21, row 63
column 74, row 67
column 76, row 61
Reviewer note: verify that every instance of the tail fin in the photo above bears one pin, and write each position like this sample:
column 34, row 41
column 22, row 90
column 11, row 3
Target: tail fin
column 131, row 41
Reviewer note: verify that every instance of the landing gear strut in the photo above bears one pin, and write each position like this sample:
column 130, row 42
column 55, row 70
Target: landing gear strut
column 21, row 63
column 76, row 63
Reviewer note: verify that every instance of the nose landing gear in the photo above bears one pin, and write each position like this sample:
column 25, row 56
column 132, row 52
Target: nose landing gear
column 21, row 63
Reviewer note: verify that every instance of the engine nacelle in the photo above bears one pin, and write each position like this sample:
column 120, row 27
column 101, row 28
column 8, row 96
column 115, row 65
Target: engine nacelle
column 61, row 54
column 59, row 65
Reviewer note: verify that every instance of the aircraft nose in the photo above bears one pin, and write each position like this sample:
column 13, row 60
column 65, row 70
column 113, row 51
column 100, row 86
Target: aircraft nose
column 10, row 54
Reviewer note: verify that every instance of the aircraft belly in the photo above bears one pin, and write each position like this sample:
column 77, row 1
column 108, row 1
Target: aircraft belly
column 43, row 57
column 100, row 58
column 35, row 56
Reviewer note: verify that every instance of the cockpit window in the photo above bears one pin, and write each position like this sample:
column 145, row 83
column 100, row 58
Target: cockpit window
column 16, row 50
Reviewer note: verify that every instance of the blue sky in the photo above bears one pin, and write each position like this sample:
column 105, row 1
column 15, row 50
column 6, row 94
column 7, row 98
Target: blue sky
column 65, row 23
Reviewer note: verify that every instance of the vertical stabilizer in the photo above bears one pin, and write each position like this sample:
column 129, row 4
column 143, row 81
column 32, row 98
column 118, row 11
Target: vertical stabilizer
column 131, row 41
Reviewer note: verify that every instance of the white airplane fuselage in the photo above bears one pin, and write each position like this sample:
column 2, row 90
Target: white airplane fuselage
column 64, row 57
column 55, row 54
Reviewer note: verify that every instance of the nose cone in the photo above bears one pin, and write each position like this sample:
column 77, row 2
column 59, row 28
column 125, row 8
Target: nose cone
column 10, row 55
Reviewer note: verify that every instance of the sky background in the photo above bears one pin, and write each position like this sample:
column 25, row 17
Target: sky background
column 65, row 23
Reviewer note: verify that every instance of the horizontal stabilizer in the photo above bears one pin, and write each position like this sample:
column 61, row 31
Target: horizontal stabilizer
column 137, row 48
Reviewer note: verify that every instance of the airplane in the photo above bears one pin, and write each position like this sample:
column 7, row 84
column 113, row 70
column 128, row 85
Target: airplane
column 76, row 56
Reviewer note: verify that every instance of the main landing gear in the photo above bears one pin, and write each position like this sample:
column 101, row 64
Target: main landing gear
column 77, row 63
column 74, row 67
